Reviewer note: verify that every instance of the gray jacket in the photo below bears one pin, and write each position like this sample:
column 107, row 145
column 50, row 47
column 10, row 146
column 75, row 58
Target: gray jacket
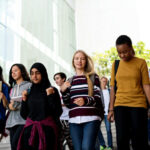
column 14, row 117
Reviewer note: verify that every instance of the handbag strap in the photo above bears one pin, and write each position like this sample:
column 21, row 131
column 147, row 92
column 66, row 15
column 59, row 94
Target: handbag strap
column 116, row 68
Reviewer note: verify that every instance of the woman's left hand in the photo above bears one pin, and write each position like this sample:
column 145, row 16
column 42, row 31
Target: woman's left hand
column 79, row 101
column 50, row 91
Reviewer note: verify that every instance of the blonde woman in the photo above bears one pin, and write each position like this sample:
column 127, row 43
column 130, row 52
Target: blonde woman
column 81, row 95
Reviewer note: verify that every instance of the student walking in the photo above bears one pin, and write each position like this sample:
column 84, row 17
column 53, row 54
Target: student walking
column 128, row 104
column 82, row 95
column 41, row 107
column 19, row 81
column 60, row 78
column 106, row 97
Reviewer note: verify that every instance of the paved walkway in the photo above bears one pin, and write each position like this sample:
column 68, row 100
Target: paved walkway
column 5, row 145
column 113, row 129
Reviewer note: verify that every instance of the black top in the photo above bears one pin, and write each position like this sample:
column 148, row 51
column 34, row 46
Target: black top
column 39, row 106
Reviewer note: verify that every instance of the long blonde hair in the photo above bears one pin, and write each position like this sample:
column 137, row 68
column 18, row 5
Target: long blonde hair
column 88, row 70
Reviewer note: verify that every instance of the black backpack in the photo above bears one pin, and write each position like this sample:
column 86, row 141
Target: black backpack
column 116, row 68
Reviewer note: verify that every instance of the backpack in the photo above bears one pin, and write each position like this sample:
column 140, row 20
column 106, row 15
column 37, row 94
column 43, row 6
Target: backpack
column 116, row 68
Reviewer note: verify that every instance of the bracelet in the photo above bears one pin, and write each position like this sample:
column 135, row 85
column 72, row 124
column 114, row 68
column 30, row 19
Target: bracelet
column 110, row 110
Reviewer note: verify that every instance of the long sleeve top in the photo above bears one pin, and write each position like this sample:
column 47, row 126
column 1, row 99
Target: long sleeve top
column 5, row 90
column 14, row 117
column 39, row 106
column 79, row 88
column 41, row 112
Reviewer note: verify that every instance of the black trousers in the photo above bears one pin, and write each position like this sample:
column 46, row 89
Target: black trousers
column 2, row 126
column 14, row 136
column 131, row 124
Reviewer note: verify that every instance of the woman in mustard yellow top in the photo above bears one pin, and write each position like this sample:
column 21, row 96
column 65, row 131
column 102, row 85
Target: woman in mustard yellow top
column 128, row 105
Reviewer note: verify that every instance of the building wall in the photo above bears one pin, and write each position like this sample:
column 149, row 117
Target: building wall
column 100, row 22
column 37, row 31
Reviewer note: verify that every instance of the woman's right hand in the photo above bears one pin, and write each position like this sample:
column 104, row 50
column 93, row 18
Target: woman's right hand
column 50, row 91
column 65, row 86
column 110, row 116
column 24, row 95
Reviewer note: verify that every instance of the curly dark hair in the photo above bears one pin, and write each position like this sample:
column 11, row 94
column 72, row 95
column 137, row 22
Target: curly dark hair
column 24, row 74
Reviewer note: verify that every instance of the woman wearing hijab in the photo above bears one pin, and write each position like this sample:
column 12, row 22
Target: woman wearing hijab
column 41, row 107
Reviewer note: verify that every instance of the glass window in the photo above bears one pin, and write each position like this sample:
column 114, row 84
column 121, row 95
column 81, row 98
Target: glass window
column 2, row 41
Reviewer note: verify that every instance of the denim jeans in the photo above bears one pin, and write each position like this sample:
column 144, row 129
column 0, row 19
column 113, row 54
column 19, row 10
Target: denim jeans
column 109, row 134
column 84, row 135
column 97, row 144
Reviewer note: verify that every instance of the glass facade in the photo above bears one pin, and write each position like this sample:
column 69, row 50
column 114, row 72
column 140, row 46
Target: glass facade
column 37, row 31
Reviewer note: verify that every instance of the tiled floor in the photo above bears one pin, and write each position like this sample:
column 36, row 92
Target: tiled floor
column 103, row 129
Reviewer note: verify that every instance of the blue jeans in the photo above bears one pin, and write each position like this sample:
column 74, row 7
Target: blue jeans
column 97, row 144
column 109, row 134
column 84, row 134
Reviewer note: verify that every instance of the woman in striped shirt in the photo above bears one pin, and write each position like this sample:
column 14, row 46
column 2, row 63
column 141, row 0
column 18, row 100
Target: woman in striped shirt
column 82, row 95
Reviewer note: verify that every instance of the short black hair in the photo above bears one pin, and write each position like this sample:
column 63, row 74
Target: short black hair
column 62, row 75
column 124, row 39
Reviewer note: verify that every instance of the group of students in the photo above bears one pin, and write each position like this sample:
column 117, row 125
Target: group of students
column 36, row 121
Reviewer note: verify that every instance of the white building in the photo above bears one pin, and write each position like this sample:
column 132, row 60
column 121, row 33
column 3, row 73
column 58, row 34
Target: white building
column 37, row 31
column 100, row 22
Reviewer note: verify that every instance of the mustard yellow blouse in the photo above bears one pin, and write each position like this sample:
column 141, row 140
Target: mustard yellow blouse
column 130, row 77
